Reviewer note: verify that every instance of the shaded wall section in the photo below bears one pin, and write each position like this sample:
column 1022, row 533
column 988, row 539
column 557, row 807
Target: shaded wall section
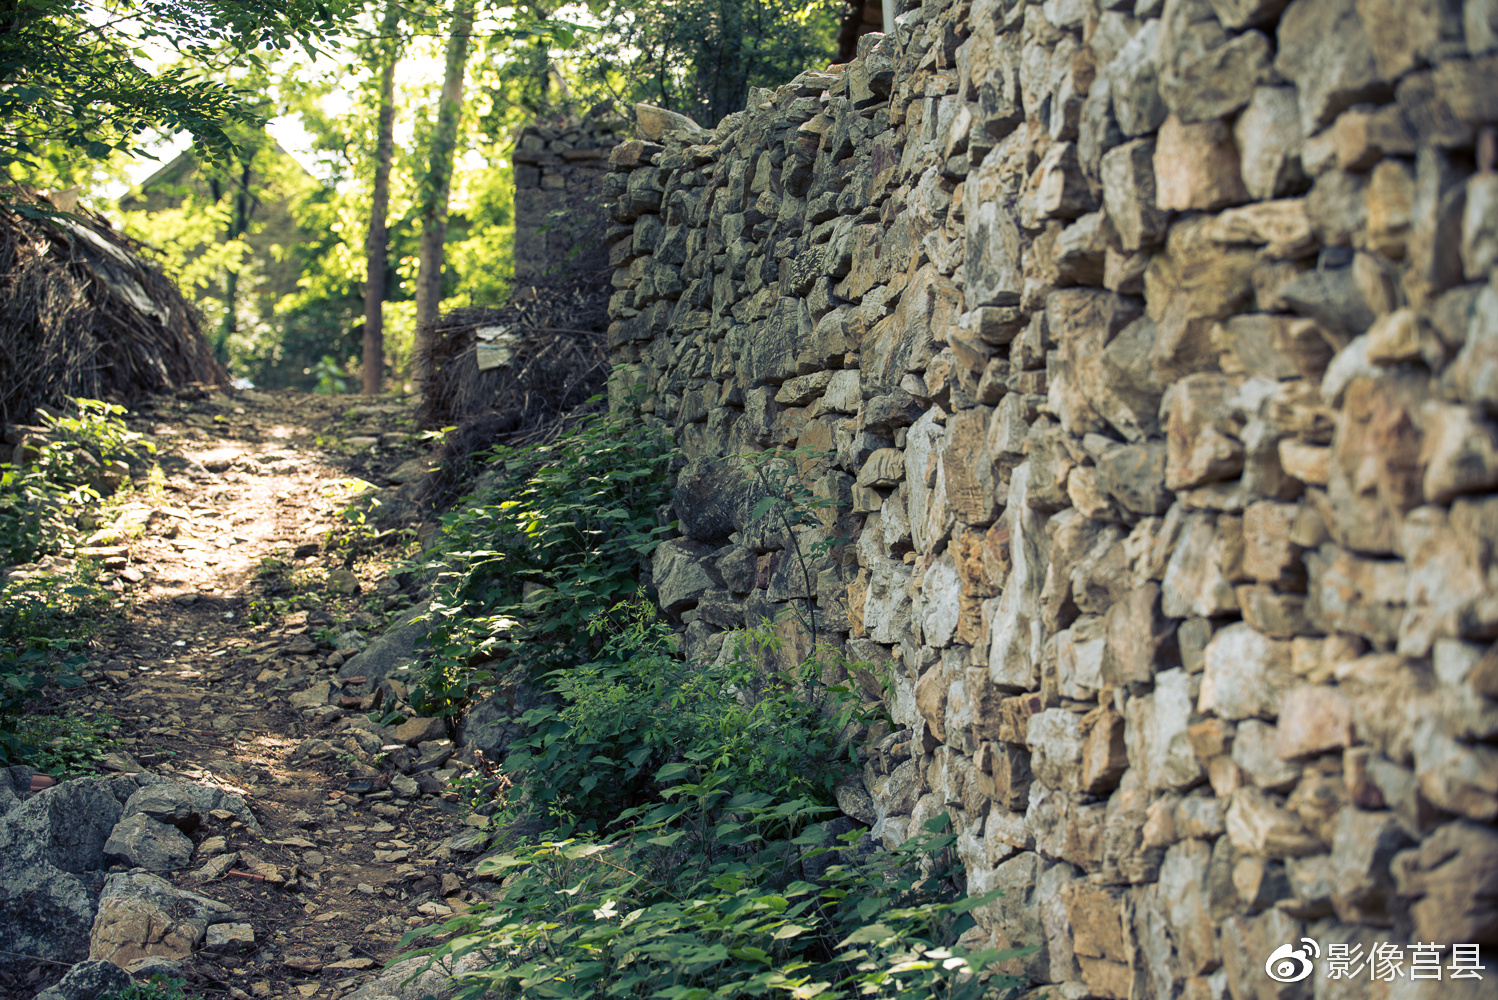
column 1151, row 353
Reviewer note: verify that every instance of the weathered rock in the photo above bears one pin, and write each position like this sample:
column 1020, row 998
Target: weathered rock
column 1156, row 734
column 1324, row 50
column 1254, row 752
column 88, row 980
column 655, row 122
column 1246, row 674
column 1258, row 825
column 1197, row 166
column 48, row 846
column 1269, row 140
column 1312, row 720
column 1129, row 194
column 392, row 653
column 681, row 573
column 1451, row 881
column 141, row 842
column 144, row 916
column 418, row 730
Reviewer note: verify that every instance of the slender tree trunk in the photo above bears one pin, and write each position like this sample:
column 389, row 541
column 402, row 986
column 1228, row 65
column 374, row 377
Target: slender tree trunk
column 375, row 244
column 438, row 183
column 239, row 224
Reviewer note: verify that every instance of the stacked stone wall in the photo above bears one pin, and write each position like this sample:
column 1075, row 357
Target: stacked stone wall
column 1150, row 353
column 559, row 169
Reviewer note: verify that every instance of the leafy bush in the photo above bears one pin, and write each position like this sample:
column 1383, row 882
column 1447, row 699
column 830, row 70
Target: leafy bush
column 158, row 987
column 63, row 746
column 610, row 731
column 43, row 619
column 94, row 435
column 658, row 913
column 554, row 535
column 685, row 858
column 33, row 514
column 36, row 500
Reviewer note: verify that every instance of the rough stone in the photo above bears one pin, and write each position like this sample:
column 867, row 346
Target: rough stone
column 1246, row 674
column 88, row 980
column 1196, row 166
column 143, row 916
column 1324, row 50
column 142, row 842
column 48, row 846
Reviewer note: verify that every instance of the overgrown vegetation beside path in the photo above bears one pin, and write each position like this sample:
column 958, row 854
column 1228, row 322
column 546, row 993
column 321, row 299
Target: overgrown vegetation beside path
column 668, row 827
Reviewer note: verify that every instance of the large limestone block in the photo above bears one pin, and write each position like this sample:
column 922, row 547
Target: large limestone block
column 1324, row 50
column 655, row 122
column 680, row 571
column 142, row 842
column 1156, row 734
column 1084, row 323
column 143, row 915
column 1474, row 373
column 88, row 981
column 1246, row 674
column 1451, row 883
column 1055, row 739
column 1129, row 194
column 1313, row 719
column 1258, row 825
column 941, row 593
column 1197, row 166
column 1184, row 895
column 971, row 491
column 1351, row 594
column 887, row 610
column 1203, row 562
column 1457, row 777
column 992, row 275
column 1269, row 143
column 1015, row 651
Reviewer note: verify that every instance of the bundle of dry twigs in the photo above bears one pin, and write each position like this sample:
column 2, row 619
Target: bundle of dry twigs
column 84, row 313
column 557, row 359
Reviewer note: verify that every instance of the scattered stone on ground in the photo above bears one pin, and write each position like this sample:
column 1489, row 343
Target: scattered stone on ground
column 251, row 832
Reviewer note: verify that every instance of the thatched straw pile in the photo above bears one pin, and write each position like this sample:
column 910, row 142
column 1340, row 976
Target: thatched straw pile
column 83, row 313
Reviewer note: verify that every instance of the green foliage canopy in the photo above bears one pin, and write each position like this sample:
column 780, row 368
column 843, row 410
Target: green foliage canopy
column 72, row 72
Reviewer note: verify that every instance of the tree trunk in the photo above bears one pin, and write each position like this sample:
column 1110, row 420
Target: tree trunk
column 239, row 224
column 438, row 183
column 375, row 244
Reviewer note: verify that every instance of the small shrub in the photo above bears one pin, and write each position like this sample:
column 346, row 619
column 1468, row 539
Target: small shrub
column 610, row 731
column 33, row 514
column 555, row 535
column 45, row 621
column 93, row 435
column 651, row 915
column 158, row 987
column 63, row 746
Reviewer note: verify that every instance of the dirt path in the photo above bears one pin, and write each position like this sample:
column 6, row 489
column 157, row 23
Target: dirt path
column 213, row 682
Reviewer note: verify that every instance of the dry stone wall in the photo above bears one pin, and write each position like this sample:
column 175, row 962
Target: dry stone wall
column 1150, row 351
column 558, row 170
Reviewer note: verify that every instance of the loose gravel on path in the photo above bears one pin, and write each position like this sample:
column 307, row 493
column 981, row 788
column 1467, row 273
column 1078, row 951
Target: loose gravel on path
column 204, row 694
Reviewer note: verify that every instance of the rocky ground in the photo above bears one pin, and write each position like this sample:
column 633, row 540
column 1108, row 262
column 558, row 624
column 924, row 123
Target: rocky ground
column 245, row 593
